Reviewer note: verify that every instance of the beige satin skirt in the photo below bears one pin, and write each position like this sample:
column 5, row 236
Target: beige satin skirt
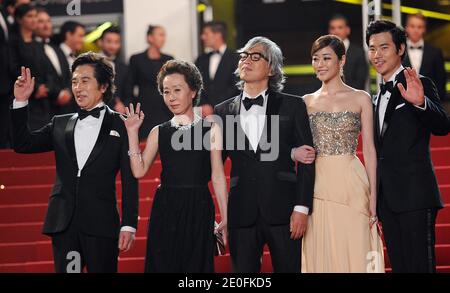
column 339, row 238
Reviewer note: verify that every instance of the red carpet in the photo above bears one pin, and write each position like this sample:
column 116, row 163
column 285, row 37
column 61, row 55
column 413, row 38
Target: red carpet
column 26, row 181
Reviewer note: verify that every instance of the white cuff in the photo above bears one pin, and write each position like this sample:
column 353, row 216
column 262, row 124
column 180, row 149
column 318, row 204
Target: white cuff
column 301, row 209
column 293, row 154
column 424, row 107
column 128, row 229
column 19, row 104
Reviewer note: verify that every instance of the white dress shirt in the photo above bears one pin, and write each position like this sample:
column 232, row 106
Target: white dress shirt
column 214, row 61
column 85, row 136
column 415, row 55
column 346, row 44
column 51, row 55
column 386, row 97
column 253, row 122
column 70, row 56
column 4, row 26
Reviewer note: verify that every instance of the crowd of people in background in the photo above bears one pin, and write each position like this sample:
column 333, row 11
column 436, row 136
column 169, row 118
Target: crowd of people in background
column 27, row 39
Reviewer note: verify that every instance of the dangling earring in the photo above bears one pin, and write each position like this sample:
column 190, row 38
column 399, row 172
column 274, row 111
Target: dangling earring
column 341, row 71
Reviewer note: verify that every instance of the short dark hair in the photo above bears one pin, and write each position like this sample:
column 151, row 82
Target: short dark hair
column 191, row 74
column 332, row 41
column 110, row 30
column 23, row 9
column 7, row 3
column 339, row 17
column 382, row 26
column 69, row 26
column 217, row 27
column 40, row 9
column 151, row 29
column 103, row 71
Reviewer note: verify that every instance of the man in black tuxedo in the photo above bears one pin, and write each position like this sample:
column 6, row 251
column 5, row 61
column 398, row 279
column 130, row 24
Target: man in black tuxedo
column 408, row 111
column 6, row 79
column 356, row 69
column 424, row 58
column 111, row 43
column 217, row 66
column 270, row 197
column 57, row 73
column 90, row 149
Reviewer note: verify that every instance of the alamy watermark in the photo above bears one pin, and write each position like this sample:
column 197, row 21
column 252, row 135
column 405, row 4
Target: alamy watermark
column 235, row 138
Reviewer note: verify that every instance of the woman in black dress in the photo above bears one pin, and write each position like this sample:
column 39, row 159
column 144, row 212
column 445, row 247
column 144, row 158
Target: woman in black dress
column 181, row 228
column 143, row 70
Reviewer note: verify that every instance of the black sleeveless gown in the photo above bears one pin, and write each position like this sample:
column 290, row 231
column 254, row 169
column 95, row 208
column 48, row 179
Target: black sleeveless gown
column 181, row 228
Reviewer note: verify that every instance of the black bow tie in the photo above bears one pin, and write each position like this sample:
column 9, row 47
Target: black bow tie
column 416, row 48
column 94, row 113
column 386, row 87
column 216, row 52
column 248, row 103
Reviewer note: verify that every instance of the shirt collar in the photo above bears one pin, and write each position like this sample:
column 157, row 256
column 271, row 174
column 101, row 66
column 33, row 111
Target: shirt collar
column 66, row 50
column 400, row 69
column 346, row 44
column 101, row 104
column 420, row 43
column 264, row 93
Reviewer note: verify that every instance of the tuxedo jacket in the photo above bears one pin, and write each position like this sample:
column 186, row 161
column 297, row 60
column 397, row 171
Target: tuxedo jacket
column 7, row 73
column 267, row 188
column 433, row 66
column 55, row 82
column 405, row 173
column 92, row 196
column 356, row 69
column 223, row 86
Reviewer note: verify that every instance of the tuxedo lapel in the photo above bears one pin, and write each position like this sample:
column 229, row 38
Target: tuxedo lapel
column 102, row 137
column 273, row 107
column 221, row 65
column 393, row 101
column 235, row 110
column 70, row 140
column 425, row 56
column 377, row 118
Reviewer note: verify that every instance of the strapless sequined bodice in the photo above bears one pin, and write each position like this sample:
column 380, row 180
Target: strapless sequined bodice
column 335, row 133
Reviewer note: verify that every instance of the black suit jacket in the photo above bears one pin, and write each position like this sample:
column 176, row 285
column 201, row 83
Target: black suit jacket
column 356, row 69
column 121, row 70
column 7, row 73
column 223, row 86
column 405, row 173
column 269, row 188
column 433, row 66
column 55, row 82
column 93, row 195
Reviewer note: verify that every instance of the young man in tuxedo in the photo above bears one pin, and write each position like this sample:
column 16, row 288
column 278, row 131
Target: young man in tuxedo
column 111, row 43
column 424, row 58
column 356, row 69
column 270, row 197
column 58, row 73
column 216, row 66
column 408, row 111
column 90, row 149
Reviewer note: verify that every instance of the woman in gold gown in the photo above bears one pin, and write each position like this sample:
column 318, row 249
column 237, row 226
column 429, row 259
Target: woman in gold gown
column 342, row 234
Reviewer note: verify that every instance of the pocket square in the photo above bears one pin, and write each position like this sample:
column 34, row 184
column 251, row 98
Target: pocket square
column 114, row 133
column 399, row 106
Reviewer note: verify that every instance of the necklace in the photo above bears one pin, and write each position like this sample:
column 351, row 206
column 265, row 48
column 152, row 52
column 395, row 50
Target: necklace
column 178, row 126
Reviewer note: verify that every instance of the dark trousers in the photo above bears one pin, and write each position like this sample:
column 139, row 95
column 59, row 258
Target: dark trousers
column 247, row 244
column 97, row 254
column 410, row 239
column 5, row 137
